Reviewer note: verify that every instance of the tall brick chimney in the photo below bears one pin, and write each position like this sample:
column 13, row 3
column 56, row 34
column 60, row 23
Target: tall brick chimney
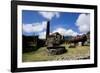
column 48, row 29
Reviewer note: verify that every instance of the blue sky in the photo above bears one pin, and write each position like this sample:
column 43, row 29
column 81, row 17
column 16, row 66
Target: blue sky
column 59, row 21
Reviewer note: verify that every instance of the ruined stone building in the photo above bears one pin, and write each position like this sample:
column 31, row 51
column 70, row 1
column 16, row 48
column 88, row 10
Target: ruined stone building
column 29, row 43
column 54, row 39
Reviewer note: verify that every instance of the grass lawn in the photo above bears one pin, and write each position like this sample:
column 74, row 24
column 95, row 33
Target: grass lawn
column 80, row 52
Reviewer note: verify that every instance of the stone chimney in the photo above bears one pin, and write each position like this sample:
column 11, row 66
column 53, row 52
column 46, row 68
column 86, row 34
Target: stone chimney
column 48, row 29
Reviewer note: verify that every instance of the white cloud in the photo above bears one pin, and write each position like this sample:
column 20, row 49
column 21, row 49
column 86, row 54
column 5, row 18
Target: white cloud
column 42, row 35
column 65, row 32
column 62, row 31
column 35, row 27
column 50, row 15
column 83, row 23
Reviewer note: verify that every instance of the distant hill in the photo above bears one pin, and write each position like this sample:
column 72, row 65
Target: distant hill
column 68, row 37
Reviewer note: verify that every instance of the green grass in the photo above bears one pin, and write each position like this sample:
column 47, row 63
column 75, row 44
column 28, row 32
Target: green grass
column 42, row 55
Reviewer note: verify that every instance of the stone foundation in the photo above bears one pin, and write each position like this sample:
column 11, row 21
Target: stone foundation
column 56, row 50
